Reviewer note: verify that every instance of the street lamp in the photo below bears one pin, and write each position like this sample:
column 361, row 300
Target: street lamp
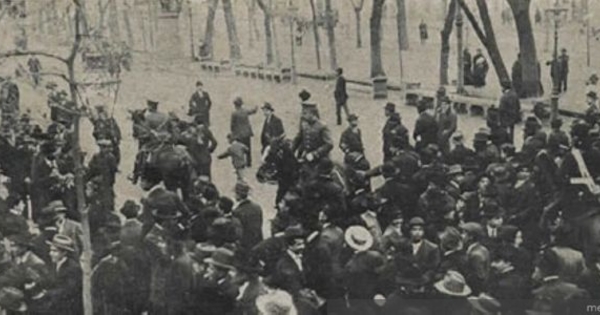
column 556, row 14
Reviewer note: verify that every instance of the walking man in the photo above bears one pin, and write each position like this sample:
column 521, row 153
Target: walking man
column 340, row 95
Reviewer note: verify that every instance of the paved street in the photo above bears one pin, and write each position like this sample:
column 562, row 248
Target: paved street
column 172, row 86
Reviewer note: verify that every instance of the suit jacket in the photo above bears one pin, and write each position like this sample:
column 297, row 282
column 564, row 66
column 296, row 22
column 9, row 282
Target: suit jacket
column 240, row 123
column 272, row 129
column 556, row 296
column 392, row 130
column 251, row 216
column 340, row 94
column 288, row 276
column 246, row 301
column 199, row 105
column 426, row 130
column 351, row 141
column 478, row 258
column 323, row 261
column 428, row 259
column 65, row 290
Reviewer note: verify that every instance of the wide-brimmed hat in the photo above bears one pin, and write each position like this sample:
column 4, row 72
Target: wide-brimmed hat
column 54, row 207
column 221, row 257
column 104, row 143
column 454, row 170
column 358, row 238
column 485, row 304
column 276, row 302
column 62, row 242
column 12, row 299
column 453, row 284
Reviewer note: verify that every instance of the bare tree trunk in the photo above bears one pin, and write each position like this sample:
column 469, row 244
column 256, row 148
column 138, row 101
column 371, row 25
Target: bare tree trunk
column 251, row 12
column 127, row 22
column 487, row 37
column 401, row 23
column 268, row 34
column 375, row 28
column 316, row 33
column 207, row 45
column 330, row 24
column 358, row 30
column 445, row 36
column 530, row 73
column 113, row 20
column 235, row 53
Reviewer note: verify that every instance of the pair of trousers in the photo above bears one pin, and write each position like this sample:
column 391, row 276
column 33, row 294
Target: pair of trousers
column 248, row 143
column 338, row 111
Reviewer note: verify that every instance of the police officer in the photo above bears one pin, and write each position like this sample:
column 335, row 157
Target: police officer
column 106, row 128
column 313, row 142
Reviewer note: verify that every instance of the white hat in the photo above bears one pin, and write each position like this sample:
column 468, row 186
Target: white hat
column 359, row 238
column 275, row 303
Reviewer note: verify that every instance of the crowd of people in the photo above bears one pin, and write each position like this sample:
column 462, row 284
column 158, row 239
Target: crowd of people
column 452, row 228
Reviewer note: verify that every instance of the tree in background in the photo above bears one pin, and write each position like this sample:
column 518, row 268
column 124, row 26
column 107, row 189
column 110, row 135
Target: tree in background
column 401, row 23
column 358, row 6
column 445, row 36
column 330, row 22
column 315, row 27
column 376, row 61
column 235, row 53
column 530, row 85
column 206, row 51
column 268, row 34
column 486, row 36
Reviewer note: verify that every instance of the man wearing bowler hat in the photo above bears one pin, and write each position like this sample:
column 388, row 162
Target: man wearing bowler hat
column 272, row 128
column 250, row 215
column 425, row 254
column 340, row 95
column 217, row 292
column 200, row 104
column 65, row 272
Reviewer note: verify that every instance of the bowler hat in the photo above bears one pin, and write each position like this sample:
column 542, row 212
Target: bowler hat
column 304, row 95
column 453, row 284
column 62, row 242
column 293, row 232
column 199, row 83
column 12, row 299
column 268, row 106
column 221, row 257
column 152, row 103
column 130, row 209
column 358, row 238
column 592, row 94
column 481, row 137
column 352, row 117
column 242, row 188
column 238, row 101
column 390, row 106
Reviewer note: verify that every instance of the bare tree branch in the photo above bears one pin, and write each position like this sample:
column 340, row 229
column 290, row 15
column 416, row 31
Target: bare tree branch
column 55, row 74
column 473, row 20
column 17, row 53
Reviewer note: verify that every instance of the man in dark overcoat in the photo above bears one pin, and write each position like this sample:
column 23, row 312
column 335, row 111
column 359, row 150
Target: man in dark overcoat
column 272, row 128
column 392, row 129
column 351, row 139
column 250, row 215
column 199, row 105
column 65, row 290
column 341, row 96
column 509, row 109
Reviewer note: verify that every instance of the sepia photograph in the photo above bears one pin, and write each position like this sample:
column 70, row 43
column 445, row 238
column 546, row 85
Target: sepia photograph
column 299, row 157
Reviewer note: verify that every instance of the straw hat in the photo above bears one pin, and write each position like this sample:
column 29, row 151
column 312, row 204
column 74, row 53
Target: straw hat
column 358, row 238
column 453, row 284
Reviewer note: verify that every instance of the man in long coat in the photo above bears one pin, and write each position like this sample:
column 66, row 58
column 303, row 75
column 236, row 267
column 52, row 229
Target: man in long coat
column 241, row 129
column 509, row 109
column 250, row 215
column 341, row 96
column 392, row 129
column 199, row 105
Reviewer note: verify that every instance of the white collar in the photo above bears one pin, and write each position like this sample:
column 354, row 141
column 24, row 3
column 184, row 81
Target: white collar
column 239, row 203
column 550, row 278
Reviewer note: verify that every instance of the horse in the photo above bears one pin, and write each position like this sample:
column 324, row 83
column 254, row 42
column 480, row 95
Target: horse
column 280, row 166
column 173, row 162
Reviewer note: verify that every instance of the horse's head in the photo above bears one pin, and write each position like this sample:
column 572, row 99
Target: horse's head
column 273, row 157
column 137, row 116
